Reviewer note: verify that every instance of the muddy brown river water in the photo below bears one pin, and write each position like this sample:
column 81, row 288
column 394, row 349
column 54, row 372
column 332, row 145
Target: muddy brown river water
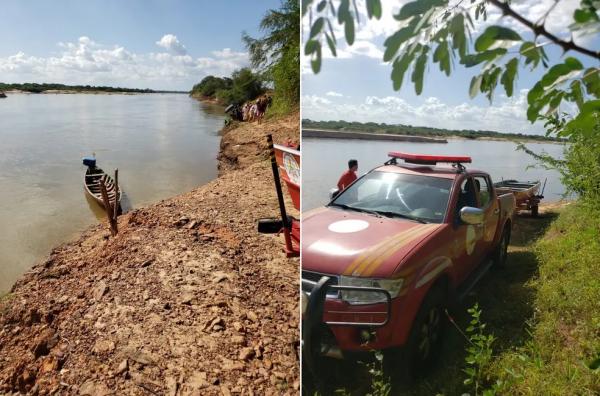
column 163, row 144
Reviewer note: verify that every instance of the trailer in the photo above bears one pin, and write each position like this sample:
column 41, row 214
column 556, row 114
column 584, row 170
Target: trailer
column 527, row 193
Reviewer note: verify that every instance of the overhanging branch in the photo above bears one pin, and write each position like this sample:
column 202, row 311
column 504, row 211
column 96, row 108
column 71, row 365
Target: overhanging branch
column 540, row 30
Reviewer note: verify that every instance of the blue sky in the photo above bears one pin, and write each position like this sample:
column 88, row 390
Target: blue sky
column 356, row 86
column 156, row 44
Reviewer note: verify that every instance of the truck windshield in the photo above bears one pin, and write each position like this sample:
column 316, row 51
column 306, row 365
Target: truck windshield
column 421, row 198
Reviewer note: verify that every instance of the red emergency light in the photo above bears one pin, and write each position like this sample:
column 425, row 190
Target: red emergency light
column 425, row 159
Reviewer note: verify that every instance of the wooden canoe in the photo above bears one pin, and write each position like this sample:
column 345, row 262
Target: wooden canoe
column 92, row 178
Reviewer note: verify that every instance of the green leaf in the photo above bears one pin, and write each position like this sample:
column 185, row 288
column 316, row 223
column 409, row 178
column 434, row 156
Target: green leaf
column 475, row 86
column 488, row 84
column 573, row 63
column 305, row 4
column 442, row 55
column 577, row 93
column 399, row 68
column 311, row 47
column 419, row 71
column 374, row 9
column 331, row 30
column 586, row 121
column 459, row 38
column 591, row 80
column 531, row 53
column 508, row 77
column 485, row 56
column 317, row 27
column 493, row 34
column 344, row 11
column 331, row 44
column 393, row 43
column 417, row 8
column 535, row 93
column 349, row 29
column 537, row 98
column 595, row 364
column 560, row 72
column 377, row 9
column 321, row 6
column 554, row 103
column 315, row 63
column 583, row 16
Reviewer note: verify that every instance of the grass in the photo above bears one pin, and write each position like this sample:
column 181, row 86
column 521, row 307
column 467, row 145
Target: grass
column 564, row 332
column 543, row 309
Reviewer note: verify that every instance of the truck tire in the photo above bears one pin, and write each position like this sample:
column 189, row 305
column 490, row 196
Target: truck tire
column 501, row 251
column 406, row 364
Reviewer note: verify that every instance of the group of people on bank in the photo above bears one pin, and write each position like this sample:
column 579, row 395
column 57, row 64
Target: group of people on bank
column 250, row 111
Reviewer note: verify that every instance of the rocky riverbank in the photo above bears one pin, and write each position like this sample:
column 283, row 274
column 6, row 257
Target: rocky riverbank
column 187, row 299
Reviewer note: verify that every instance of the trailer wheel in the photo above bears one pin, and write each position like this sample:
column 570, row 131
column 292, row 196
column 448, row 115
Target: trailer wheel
column 424, row 342
column 535, row 211
column 501, row 251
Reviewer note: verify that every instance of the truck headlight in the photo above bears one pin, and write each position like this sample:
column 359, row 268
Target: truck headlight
column 393, row 286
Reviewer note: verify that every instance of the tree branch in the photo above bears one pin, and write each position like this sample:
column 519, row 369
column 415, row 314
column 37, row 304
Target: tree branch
column 540, row 30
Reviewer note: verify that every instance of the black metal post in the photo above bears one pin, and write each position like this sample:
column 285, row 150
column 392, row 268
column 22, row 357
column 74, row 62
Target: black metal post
column 274, row 167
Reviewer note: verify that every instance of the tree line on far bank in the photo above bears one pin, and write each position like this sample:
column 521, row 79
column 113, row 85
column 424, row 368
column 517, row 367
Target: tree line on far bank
column 398, row 129
column 39, row 88
column 275, row 61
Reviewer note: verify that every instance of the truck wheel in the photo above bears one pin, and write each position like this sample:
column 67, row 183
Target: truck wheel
column 424, row 341
column 501, row 251
column 535, row 211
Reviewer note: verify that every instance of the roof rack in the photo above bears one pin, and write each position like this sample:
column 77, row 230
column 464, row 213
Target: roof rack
column 427, row 159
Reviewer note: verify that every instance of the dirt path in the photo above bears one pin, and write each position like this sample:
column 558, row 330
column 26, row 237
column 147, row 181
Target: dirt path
column 188, row 299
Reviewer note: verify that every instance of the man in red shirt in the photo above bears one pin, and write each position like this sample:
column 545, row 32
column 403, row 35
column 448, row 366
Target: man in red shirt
column 349, row 176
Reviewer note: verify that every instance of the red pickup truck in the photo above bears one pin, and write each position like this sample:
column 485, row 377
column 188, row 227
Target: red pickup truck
column 385, row 257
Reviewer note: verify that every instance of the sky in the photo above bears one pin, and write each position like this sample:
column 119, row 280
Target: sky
column 356, row 86
column 157, row 44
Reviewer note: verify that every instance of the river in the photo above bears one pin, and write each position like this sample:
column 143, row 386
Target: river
column 163, row 145
column 324, row 160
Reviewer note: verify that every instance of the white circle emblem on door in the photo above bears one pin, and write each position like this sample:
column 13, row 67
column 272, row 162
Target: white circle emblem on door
column 348, row 226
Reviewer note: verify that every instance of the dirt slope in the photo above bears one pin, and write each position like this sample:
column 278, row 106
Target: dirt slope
column 186, row 300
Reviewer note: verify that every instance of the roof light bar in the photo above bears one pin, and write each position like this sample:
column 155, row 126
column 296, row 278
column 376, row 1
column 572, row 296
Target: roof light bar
column 425, row 159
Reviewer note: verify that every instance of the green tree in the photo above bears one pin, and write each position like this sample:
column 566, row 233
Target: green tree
column 438, row 32
column 210, row 85
column 277, row 53
column 245, row 85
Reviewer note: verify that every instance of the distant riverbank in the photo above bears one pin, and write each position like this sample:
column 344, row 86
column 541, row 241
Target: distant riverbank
column 328, row 134
column 89, row 92
column 49, row 88
column 423, row 131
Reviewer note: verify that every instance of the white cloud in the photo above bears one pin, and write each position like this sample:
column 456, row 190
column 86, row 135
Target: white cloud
column 172, row 44
column 506, row 115
column 88, row 62
column 334, row 94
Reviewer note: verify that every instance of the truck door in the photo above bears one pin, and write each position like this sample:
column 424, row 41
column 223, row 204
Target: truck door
column 489, row 204
column 465, row 247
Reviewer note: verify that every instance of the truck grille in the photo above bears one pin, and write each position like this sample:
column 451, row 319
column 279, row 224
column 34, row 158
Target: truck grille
column 309, row 279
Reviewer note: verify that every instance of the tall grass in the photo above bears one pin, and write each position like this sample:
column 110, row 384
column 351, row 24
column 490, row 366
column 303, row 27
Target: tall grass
column 564, row 344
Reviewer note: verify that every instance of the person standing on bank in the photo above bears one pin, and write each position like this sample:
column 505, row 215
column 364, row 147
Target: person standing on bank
column 349, row 176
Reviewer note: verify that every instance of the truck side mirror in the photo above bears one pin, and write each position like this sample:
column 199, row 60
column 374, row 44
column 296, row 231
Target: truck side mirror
column 471, row 215
column 333, row 193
